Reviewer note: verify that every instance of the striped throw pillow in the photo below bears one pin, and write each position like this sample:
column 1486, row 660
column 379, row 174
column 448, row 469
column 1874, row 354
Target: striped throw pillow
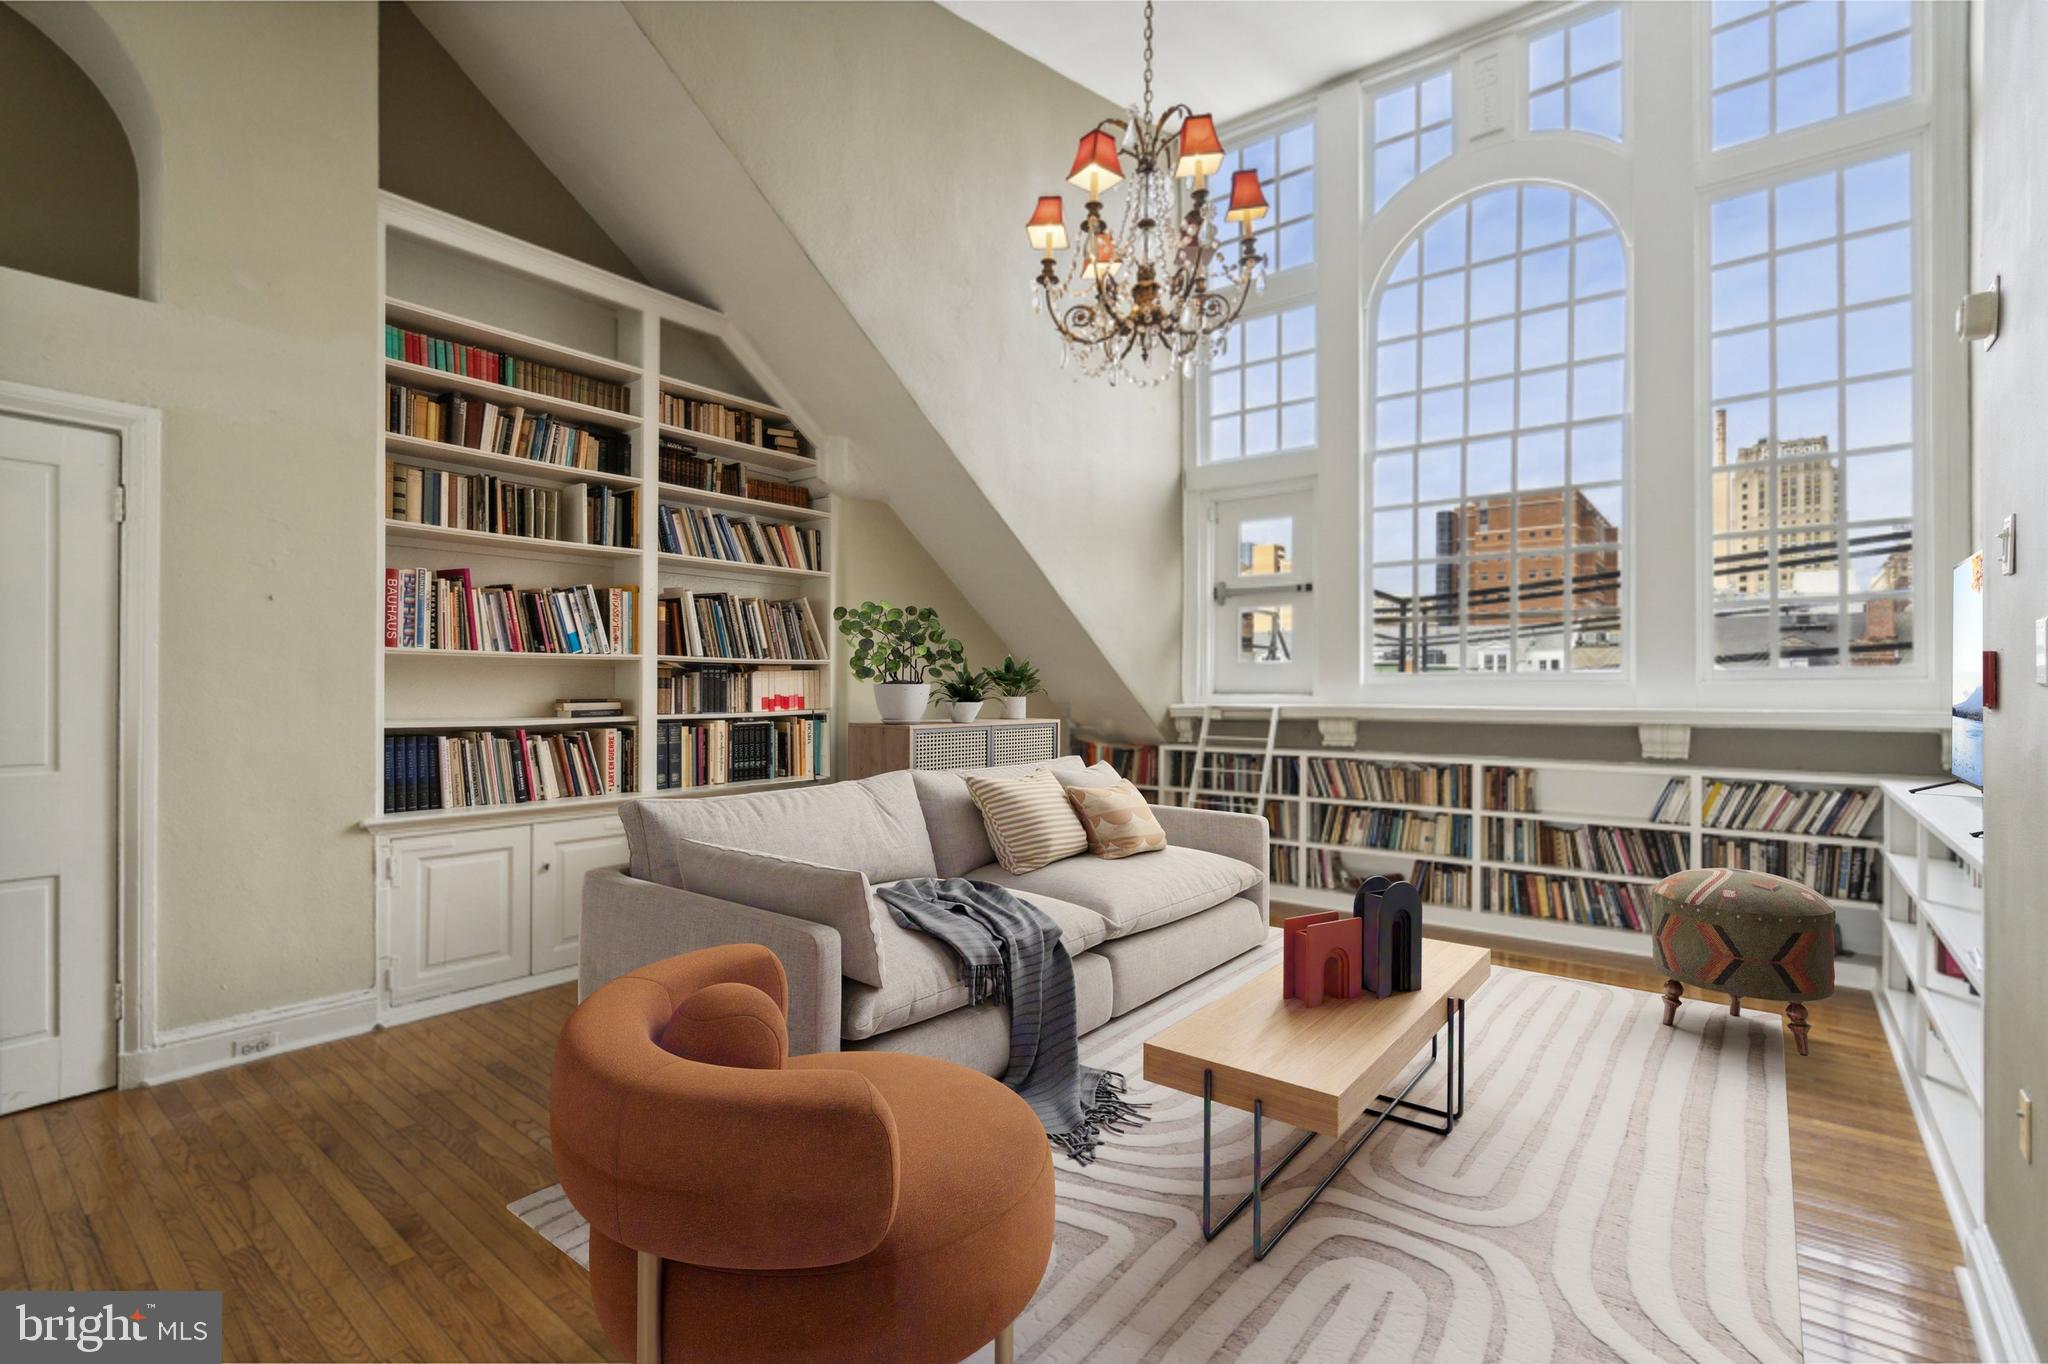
column 1028, row 819
column 1118, row 821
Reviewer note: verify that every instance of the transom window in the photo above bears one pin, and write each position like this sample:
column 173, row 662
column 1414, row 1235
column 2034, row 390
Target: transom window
column 1286, row 163
column 1778, row 66
column 1812, row 419
column 1411, row 131
column 1262, row 389
column 1575, row 78
column 1499, row 439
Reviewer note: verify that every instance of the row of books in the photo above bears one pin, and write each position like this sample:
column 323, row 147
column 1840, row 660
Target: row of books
column 576, row 514
column 1589, row 847
column 683, row 466
column 739, row 539
column 722, row 752
column 1442, row 885
column 1282, row 818
column 1234, row 772
column 504, row 767
column 443, row 609
column 1837, row 872
column 1396, row 830
column 1773, row 807
column 1326, row 870
column 1510, row 788
column 1674, row 802
column 503, row 367
column 1570, row 899
column 1284, row 865
column 721, row 625
column 681, row 690
column 1136, row 764
column 1393, row 783
column 458, row 419
column 729, row 423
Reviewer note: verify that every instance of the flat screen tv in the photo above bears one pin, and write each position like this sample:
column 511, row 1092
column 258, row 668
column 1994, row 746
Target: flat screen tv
column 1966, row 675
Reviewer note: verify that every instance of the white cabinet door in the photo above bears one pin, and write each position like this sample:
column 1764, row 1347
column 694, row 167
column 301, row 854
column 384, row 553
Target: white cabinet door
column 563, row 854
column 461, row 910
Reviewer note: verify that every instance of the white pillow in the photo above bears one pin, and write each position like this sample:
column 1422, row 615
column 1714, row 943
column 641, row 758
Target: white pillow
column 1029, row 820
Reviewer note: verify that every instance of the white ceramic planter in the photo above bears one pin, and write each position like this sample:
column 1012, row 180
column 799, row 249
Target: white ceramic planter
column 1013, row 707
column 964, row 712
column 902, row 703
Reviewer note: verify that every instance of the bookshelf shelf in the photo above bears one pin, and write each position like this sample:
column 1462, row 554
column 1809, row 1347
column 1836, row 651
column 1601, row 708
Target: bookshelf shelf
column 745, row 662
column 506, row 656
column 717, row 567
column 743, row 714
column 508, row 466
column 489, row 542
column 515, row 722
column 754, row 456
column 427, row 377
column 484, row 814
column 746, row 506
column 449, row 326
column 683, row 388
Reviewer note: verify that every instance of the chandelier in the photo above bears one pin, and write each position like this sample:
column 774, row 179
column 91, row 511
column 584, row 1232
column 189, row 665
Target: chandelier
column 1158, row 292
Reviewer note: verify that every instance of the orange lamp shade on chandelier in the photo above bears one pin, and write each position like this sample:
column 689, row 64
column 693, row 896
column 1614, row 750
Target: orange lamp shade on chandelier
column 1159, row 293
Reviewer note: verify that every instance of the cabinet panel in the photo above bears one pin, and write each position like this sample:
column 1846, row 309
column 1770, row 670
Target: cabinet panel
column 461, row 910
column 563, row 854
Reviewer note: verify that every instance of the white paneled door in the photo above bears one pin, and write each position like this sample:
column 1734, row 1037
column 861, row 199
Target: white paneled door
column 59, row 656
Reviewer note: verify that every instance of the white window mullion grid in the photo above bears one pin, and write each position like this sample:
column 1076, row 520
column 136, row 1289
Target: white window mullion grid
column 1756, row 88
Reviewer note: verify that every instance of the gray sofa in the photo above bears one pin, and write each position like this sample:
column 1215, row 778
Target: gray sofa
column 795, row 871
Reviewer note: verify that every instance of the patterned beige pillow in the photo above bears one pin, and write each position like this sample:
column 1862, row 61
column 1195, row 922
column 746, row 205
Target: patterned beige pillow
column 1029, row 822
column 1118, row 821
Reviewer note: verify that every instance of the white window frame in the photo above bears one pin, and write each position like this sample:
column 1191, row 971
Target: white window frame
column 1623, row 64
column 1658, row 201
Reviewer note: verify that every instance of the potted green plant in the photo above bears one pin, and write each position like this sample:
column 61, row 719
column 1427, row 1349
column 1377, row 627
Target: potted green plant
column 895, row 647
column 1014, row 681
column 963, row 689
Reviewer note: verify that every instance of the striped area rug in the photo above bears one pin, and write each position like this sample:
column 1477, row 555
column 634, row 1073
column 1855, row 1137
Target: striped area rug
column 1617, row 1190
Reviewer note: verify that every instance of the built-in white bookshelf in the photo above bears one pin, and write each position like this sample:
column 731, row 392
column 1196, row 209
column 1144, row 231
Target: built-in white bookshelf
column 1551, row 851
column 455, row 282
column 1935, row 977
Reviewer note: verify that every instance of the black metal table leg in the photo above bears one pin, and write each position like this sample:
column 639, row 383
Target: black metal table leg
column 1450, row 1113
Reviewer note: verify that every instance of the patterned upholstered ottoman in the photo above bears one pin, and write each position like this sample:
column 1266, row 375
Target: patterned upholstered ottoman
column 1749, row 933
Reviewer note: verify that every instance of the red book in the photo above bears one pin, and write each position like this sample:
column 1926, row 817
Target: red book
column 393, row 610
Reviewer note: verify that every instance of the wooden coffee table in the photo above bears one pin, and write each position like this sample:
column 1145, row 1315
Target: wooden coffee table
column 1321, row 1069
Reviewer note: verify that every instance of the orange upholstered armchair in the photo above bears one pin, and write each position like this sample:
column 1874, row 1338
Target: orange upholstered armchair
column 746, row 1204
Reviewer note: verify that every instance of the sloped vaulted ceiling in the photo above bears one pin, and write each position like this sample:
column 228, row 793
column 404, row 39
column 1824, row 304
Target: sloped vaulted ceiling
column 849, row 182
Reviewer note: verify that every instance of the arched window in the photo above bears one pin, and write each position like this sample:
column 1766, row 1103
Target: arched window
column 1499, row 439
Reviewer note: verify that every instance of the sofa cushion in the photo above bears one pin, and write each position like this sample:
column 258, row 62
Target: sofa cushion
column 1136, row 893
column 1094, row 775
column 1118, row 821
column 729, row 1024
column 836, row 897
column 978, row 1037
column 1146, row 967
column 1029, row 821
column 873, row 826
column 959, row 842
column 922, row 976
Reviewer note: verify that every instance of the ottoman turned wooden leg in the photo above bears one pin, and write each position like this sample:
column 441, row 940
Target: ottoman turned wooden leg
column 1674, row 995
column 1795, row 1019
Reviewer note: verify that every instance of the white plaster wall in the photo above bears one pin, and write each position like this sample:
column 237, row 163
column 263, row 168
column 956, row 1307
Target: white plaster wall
column 904, row 148
column 262, row 354
column 2009, row 46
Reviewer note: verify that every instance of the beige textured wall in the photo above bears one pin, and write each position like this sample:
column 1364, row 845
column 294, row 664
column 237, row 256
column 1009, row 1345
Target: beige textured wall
column 2009, row 412
column 70, row 207
column 262, row 355
column 442, row 143
column 904, row 148
column 879, row 560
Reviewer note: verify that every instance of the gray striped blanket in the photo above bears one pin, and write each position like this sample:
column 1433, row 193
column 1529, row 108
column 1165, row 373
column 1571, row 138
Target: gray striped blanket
column 1010, row 953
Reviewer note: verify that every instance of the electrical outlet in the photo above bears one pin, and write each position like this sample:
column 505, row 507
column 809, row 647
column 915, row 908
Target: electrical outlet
column 2025, row 1113
column 242, row 1048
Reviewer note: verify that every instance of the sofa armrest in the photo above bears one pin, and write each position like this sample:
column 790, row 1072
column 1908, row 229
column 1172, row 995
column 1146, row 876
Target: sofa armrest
column 1243, row 837
column 628, row 923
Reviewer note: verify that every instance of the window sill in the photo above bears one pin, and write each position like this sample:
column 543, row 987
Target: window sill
column 1813, row 718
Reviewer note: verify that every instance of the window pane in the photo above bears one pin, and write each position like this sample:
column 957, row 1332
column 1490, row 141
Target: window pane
column 1436, row 99
column 1264, row 546
column 1265, row 634
column 1393, row 114
column 1741, row 52
column 1411, row 131
column 1546, row 60
column 1596, row 104
column 1740, row 226
column 1546, row 111
column 1807, row 95
column 1596, row 43
column 1483, row 449
column 1803, row 531
column 1742, row 114
column 1807, row 30
column 1779, row 66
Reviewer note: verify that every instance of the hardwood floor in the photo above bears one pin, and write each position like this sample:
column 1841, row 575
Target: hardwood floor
column 349, row 1199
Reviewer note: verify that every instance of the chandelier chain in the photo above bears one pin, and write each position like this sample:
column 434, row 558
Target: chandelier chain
column 1148, row 58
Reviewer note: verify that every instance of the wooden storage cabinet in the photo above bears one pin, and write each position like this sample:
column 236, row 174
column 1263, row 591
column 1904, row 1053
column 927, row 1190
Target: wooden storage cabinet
column 876, row 748
column 468, row 908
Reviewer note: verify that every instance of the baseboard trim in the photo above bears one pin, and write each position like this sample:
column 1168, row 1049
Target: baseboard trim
column 393, row 1015
column 202, row 1047
column 1995, row 1316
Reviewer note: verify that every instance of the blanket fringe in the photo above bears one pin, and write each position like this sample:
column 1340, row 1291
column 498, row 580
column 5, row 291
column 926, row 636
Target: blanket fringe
column 1107, row 1111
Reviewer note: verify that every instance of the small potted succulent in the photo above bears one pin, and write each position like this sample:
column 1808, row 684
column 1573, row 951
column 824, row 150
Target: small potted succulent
column 962, row 690
column 1014, row 681
column 895, row 647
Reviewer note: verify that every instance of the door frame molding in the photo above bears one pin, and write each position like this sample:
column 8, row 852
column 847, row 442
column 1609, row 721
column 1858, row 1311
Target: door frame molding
column 140, row 433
